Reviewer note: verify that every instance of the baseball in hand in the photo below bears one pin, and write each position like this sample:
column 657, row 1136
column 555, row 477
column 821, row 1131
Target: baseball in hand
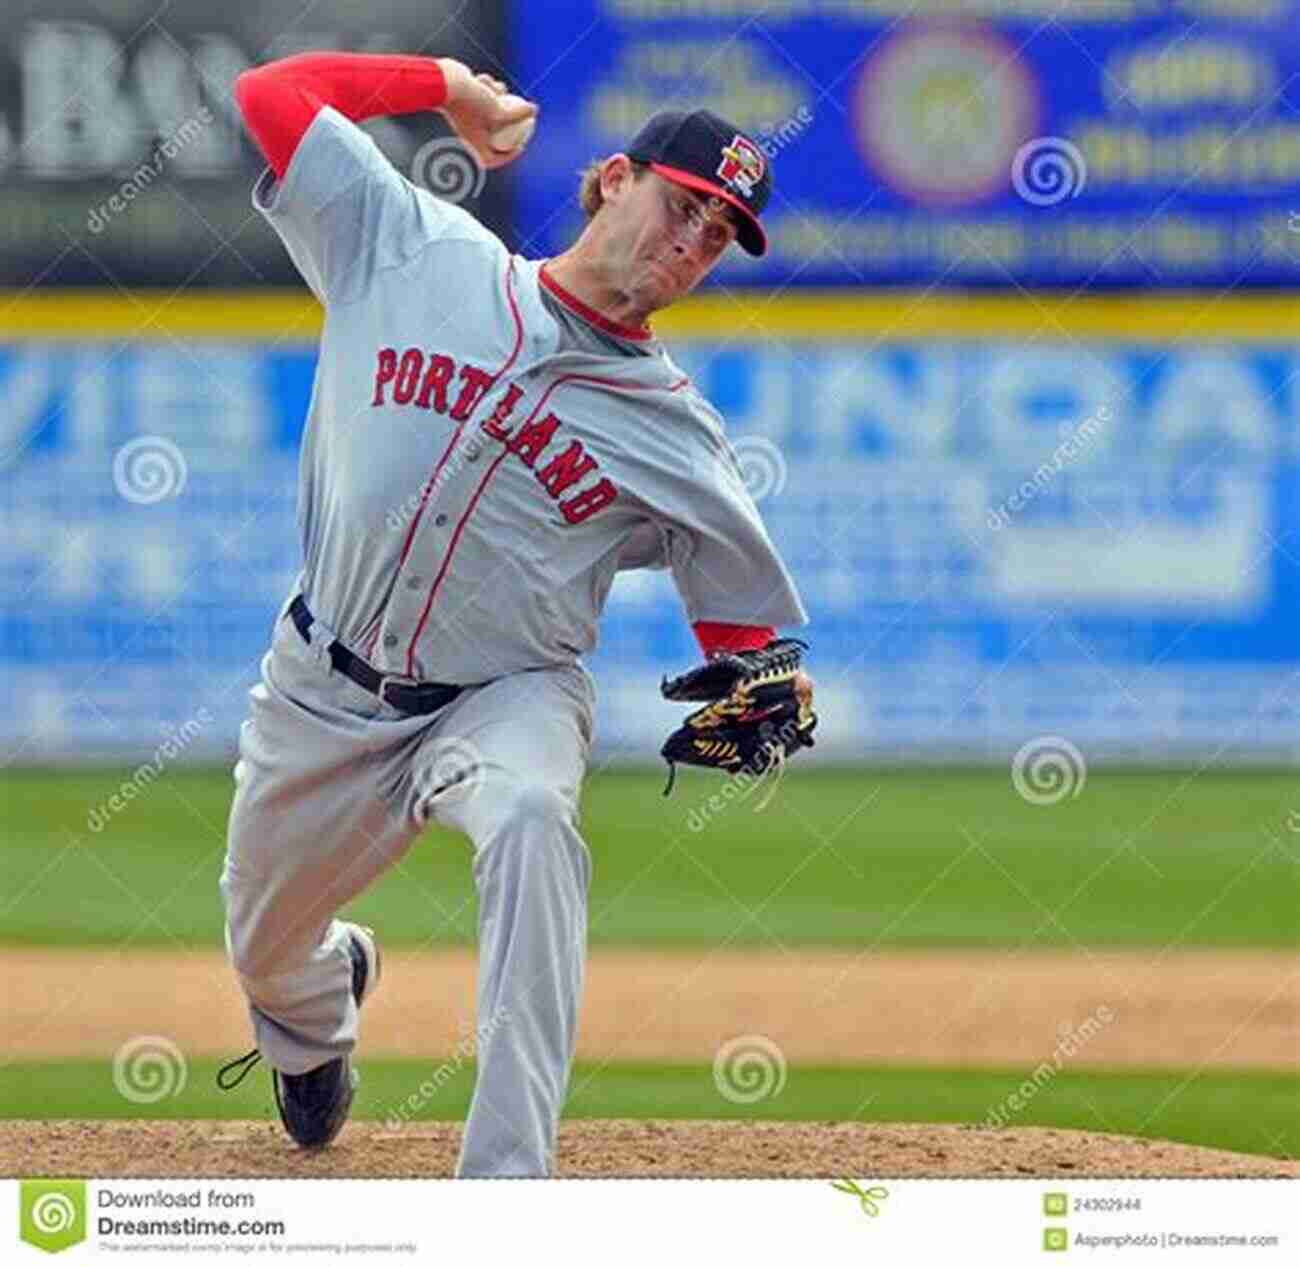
column 512, row 136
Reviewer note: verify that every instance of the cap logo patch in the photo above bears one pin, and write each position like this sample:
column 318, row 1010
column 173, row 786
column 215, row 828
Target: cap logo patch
column 742, row 165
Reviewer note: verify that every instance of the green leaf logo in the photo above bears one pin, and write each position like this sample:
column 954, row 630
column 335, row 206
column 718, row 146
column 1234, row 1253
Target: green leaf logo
column 52, row 1213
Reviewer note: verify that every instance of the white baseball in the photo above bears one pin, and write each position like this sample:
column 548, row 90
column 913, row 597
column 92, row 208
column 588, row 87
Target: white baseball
column 513, row 135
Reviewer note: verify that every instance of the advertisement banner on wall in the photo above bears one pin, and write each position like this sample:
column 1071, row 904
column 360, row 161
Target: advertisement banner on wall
column 991, row 540
column 1008, row 142
column 123, row 158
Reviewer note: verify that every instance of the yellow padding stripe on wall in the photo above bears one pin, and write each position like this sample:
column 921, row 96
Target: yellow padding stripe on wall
column 293, row 316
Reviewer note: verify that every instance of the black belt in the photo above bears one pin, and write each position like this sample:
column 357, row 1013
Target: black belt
column 401, row 692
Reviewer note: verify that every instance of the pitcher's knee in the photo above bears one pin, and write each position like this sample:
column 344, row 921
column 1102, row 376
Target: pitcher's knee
column 534, row 805
column 531, row 820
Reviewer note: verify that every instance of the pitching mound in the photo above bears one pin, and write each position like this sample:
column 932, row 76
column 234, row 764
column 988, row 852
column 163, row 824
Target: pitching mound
column 594, row 1149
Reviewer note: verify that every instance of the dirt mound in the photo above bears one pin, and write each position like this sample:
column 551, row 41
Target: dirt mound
column 596, row 1149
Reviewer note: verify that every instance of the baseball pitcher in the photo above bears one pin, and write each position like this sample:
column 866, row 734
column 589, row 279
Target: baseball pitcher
column 490, row 440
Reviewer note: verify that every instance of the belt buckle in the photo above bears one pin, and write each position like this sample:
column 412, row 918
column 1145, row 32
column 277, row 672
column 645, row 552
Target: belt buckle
column 396, row 679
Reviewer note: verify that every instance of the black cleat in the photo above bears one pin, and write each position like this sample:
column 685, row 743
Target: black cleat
column 314, row 1105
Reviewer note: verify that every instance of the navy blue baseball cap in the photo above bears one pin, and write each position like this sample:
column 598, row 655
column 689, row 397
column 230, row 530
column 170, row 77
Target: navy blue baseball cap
column 702, row 151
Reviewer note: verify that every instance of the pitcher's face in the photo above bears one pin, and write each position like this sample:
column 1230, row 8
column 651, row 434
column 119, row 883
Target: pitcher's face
column 665, row 238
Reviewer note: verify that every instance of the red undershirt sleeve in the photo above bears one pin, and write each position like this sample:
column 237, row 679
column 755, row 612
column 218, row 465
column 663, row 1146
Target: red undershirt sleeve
column 714, row 636
column 280, row 100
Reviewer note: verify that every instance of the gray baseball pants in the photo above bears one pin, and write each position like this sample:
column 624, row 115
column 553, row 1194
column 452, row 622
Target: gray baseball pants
column 333, row 786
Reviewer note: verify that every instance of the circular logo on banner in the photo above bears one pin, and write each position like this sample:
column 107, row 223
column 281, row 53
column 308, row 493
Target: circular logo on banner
column 941, row 112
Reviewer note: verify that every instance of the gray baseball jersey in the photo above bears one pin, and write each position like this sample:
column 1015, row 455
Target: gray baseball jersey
column 473, row 476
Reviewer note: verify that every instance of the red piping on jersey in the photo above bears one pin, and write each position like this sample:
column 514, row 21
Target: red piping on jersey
column 638, row 334
column 410, row 536
column 487, row 475
column 432, row 481
column 446, row 558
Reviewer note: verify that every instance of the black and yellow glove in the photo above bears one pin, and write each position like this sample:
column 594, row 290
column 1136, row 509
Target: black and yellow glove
column 760, row 711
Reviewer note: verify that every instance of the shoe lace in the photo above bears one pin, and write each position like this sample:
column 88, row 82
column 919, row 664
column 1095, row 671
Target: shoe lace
column 237, row 1069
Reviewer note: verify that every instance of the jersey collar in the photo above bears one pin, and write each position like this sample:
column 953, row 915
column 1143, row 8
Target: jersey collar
column 638, row 334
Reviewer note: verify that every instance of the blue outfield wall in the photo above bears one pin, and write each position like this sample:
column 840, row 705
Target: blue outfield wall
column 1029, row 143
column 996, row 542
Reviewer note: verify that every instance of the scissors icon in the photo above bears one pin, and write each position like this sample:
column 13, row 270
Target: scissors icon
column 867, row 1197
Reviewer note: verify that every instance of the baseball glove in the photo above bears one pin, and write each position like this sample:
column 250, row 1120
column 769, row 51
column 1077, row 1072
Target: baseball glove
column 760, row 712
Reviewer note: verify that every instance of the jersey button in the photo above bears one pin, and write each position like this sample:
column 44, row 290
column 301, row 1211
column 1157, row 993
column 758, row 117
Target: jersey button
column 414, row 582
column 471, row 455
column 390, row 640
column 439, row 520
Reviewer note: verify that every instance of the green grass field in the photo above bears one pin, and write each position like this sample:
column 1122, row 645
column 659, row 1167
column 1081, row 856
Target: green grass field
column 842, row 857
column 1246, row 1112
column 850, row 858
